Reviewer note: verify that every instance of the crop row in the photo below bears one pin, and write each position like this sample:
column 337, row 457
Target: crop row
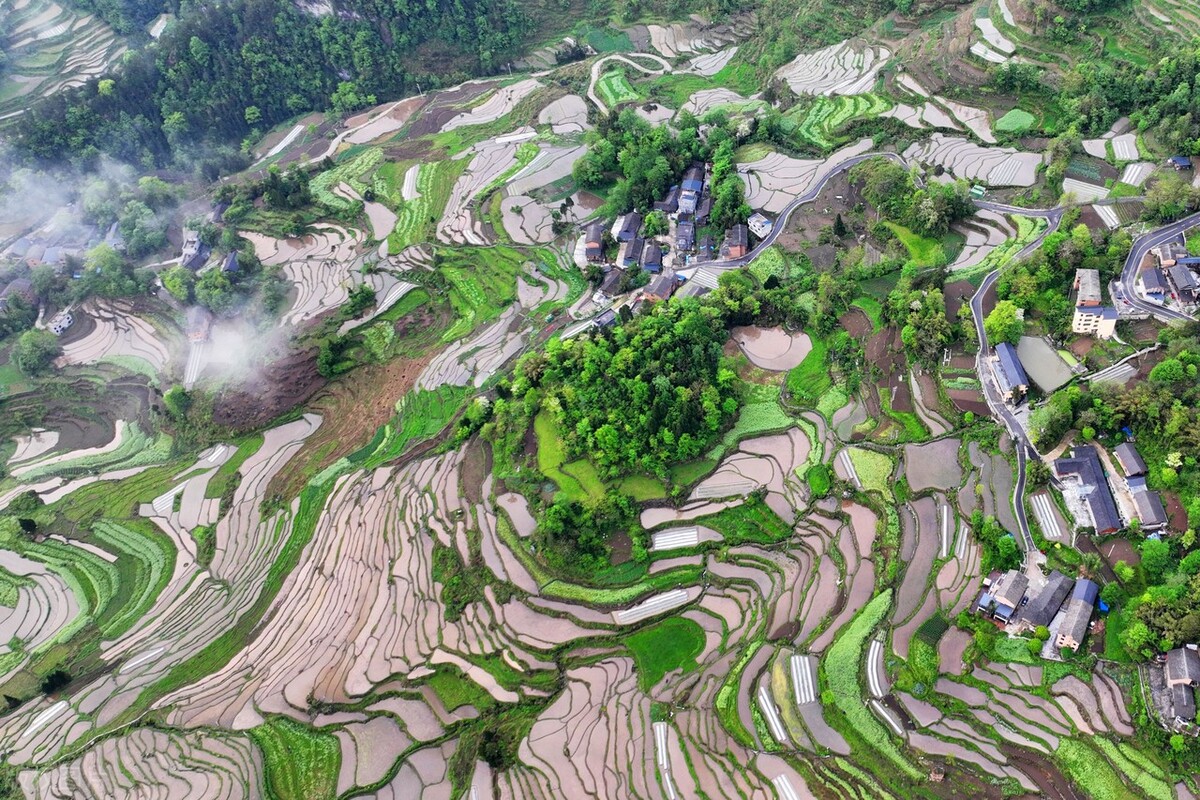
column 828, row 114
column 145, row 561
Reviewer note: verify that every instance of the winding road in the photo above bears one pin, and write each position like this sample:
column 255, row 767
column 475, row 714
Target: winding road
column 1141, row 246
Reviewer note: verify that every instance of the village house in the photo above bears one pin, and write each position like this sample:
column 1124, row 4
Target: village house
column 593, row 242
column 1152, row 284
column 1010, row 375
column 1150, row 512
column 1078, row 616
column 704, row 209
column 1002, row 597
column 631, row 252
column 1042, row 607
column 693, row 187
column 199, row 323
column 737, row 242
column 652, row 258
column 1180, row 163
column 1182, row 675
column 1082, row 476
column 607, row 289
column 20, row 287
column 626, row 228
column 660, row 288
column 760, row 224
column 1091, row 318
column 685, row 237
column 670, row 203
column 230, row 264
column 606, row 319
column 1130, row 461
column 1168, row 253
column 1184, row 281
column 707, row 250
column 195, row 252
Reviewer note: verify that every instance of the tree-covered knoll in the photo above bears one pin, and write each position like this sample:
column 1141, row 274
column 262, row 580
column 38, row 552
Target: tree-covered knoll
column 927, row 211
column 645, row 160
column 651, row 392
column 226, row 69
column 127, row 16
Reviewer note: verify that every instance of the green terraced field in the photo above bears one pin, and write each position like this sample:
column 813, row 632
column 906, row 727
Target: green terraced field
column 827, row 115
column 614, row 88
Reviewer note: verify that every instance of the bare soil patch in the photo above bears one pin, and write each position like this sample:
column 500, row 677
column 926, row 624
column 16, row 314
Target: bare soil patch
column 804, row 226
column 352, row 409
column 856, row 323
column 445, row 107
column 476, row 466
column 283, row 384
column 956, row 293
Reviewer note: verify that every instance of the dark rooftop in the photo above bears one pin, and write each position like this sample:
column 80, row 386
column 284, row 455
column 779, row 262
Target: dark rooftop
column 1084, row 463
column 1010, row 366
column 1040, row 610
column 1127, row 456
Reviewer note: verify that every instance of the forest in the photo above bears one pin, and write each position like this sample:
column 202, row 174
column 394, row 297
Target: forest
column 642, row 162
column 194, row 88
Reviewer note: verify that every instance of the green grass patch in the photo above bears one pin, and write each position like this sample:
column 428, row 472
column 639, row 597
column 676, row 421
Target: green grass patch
column 809, row 379
column 456, row 690
column 1090, row 771
column 1192, row 240
column 834, row 399
column 873, row 309
column 923, row 251
column 672, row 644
column 769, row 262
column 483, row 282
column 1146, row 775
column 842, row 667
column 674, row 89
column 821, row 124
column 688, row 473
column 221, row 478
column 614, row 88
column 301, row 764
column 578, row 480
column 820, row 479
column 642, row 488
column 1015, row 121
column 607, row 40
column 911, row 427
column 752, row 522
column 1013, row 649
column 874, row 470
column 1120, row 189
column 10, row 585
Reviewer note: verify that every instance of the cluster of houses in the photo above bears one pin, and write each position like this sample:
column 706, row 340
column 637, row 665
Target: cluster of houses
column 1063, row 605
column 58, row 243
column 1089, row 489
column 1169, row 273
column 668, row 257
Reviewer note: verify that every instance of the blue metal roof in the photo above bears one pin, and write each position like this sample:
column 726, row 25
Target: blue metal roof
column 1010, row 365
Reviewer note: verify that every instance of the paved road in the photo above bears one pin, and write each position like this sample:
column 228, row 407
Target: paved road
column 1141, row 246
column 991, row 393
column 807, row 197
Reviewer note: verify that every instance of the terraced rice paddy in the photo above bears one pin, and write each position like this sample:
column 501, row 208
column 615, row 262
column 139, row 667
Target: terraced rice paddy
column 994, row 166
column 52, row 47
column 842, row 68
column 773, row 180
column 820, row 125
column 615, row 88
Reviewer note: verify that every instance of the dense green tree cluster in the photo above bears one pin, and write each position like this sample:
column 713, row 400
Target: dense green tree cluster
column 652, row 392
column 127, row 16
column 1042, row 283
column 893, row 190
column 196, row 84
column 645, row 161
column 1162, row 99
